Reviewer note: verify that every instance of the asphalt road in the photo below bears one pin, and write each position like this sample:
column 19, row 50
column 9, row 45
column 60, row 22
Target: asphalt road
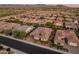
column 25, row 47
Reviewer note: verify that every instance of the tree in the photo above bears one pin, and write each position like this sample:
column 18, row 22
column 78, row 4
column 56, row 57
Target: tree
column 49, row 24
column 35, row 24
column 77, row 32
column 12, row 17
column 42, row 17
column 64, row 25
column 18, row 21
column 54, row 27
column 16, row 34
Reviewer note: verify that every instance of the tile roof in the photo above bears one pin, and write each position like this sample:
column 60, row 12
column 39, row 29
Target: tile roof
column 42, row 33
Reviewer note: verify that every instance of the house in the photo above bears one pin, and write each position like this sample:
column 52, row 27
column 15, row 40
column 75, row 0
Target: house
column 6, row 25
column 60, row 18
column 41, row 33
column 70, row 25
column 24, row 28
column 58, row 23
column 66, row 37
column 68, row 19
column 15, row 26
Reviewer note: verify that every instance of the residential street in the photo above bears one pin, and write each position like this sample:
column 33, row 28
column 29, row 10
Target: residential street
column 24, row 47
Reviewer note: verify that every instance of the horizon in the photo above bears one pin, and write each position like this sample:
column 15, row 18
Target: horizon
column 68, row 5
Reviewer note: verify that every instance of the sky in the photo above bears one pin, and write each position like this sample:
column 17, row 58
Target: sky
column 68, row 2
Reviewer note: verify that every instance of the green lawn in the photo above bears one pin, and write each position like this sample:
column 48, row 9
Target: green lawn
column 9, row 11
column 6, row 12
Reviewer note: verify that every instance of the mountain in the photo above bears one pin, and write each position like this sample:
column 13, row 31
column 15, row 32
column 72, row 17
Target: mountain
column 28, row 5
column 72, row 5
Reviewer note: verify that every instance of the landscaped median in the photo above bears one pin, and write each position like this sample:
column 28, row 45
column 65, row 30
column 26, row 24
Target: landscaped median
column 30, row 43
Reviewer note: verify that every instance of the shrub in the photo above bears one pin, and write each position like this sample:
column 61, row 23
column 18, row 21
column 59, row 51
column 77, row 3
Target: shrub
column 49, row 25
column 7, row 32
column 19, row 34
